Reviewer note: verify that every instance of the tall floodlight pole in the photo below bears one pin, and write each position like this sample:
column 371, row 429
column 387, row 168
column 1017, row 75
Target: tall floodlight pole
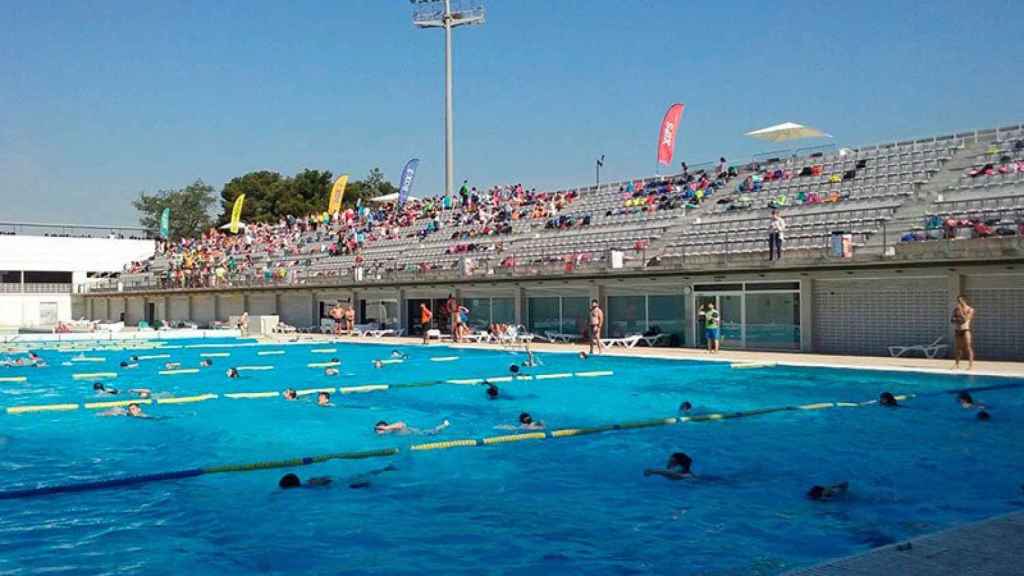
column 437, row 16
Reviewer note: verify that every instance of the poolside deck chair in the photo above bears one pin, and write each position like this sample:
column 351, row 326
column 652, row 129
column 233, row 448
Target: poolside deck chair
column 561, row 337
column 478, row 337
column 627, row 342
column 653, row 339
column 930, row 351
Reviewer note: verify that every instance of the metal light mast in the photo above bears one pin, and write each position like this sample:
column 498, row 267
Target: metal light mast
column 437, row 16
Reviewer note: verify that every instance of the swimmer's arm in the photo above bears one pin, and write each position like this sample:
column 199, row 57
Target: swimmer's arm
column 670, row 474
column 320, row 481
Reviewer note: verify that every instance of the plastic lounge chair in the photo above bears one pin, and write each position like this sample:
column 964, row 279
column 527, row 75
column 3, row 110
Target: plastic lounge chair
column 627, row 342
column 653, row 339
column 560, row 337
column 930, row 351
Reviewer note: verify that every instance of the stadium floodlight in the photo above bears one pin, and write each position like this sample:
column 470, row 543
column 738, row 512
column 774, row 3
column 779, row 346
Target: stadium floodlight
column 439, row 14
column 597, row 166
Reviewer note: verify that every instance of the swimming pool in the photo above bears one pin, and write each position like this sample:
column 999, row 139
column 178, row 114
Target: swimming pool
column 568, row 505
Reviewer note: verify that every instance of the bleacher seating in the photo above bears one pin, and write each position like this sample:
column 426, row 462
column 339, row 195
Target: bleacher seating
column 856, row 191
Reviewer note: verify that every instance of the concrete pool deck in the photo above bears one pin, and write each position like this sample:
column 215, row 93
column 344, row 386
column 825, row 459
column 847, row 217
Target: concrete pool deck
column 987, row 548
column 937, row 366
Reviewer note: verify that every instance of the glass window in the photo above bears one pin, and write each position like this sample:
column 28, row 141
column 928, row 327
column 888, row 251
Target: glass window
column 503, row 310
column 575, row 314
column 543, row 315
column 627, row 315
column 773, row 320
column 479, row 312
column 665, row 315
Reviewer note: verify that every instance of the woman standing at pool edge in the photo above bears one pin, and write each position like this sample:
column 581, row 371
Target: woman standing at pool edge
column 962, row 316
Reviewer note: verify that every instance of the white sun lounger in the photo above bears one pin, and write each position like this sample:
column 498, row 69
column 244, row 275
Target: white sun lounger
column 930, row 351
column 627, row 342
column 561, row 337
column 650, row 341
column 478, row 337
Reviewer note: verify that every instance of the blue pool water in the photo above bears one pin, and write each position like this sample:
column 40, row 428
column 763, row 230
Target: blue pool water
column 572, row 505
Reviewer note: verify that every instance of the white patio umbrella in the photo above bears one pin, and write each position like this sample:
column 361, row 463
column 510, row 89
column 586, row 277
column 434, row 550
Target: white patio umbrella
column 787, row 131
column 385, row 198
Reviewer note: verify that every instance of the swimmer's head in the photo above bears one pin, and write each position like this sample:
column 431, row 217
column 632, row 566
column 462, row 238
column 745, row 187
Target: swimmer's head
column 680, row 460
column 335, row 360
column 133, row 358
column 378, row 363
column 289, row 481
column 124, row 363
column 514, row 369
column 323, row 398
column 232, row 372
column 887, row 399
column 965, row 399
column 492, row 391
column 816, row 493
column 583, row 355
column 984, row 415
column 685, row 406
column 134, row 409
column 290, row 394
column 380, row 425
column 330, row 371
column 525, row 418
column 98, row 386
column 206, row 362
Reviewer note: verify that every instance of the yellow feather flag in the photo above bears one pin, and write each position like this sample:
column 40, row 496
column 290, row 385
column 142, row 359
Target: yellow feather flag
column 337, row 193
column 236, row 213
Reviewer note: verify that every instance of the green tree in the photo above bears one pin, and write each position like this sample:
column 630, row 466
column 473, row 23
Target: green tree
column 190, row 210
column 269, row 196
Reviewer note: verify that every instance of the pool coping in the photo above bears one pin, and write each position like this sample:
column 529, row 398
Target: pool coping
column 988, row 547
column 999, row 369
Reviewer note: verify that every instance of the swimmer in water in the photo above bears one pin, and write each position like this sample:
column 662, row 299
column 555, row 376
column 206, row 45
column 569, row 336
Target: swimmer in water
column 678, row 468
column 378, row 363
column 172, row 365
column 331, row 371
column 398, row 355
column 685, row 407
column 383, row 427
column 133, row 411
column 290, row 394
column 323, row 399
column 531, row 360
column 984, row 416
column 143, row 393
column 888, row 400
column 492, row 391
column 129, row 365
column 514, row 368
column 526, row 422
column 133, row 358
column 967, row 402
column 583, row 355
column 99, row 388
column 822, row 493
column 232, row 372
column 205, row 363
column 355, row 482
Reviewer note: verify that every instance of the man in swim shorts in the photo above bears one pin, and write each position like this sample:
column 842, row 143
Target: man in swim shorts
column 596, row 325
column 961, row 319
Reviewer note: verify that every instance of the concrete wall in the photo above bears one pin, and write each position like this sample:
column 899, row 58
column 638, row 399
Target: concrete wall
column 178, row 309
column 998, row 302
column 115, row 309
column 203, row 309
column 136, row 311
column 229, row 305
column 297, row 309
column 262, row 304
column 44, row 253
column 865, row 316
column 24, row 309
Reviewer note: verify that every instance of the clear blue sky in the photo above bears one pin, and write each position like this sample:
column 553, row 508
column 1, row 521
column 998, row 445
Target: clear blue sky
column 102, row 99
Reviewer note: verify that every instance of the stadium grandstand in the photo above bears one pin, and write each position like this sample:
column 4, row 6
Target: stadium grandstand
column 879, row 241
